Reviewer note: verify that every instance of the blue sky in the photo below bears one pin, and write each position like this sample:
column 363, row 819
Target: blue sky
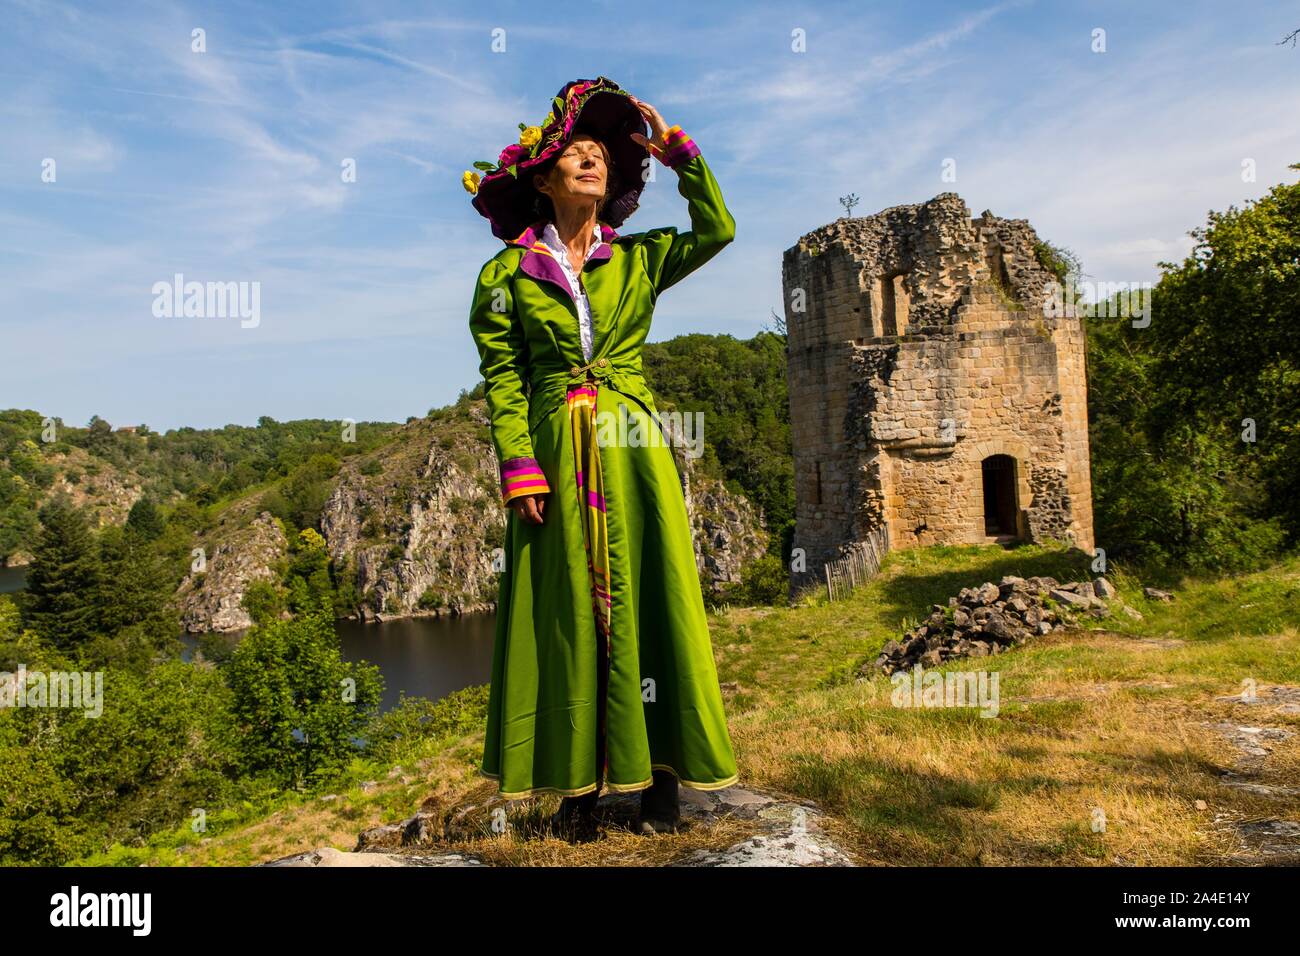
column 225, row 166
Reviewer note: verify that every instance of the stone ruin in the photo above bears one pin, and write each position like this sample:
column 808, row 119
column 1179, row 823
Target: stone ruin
column 933, row 399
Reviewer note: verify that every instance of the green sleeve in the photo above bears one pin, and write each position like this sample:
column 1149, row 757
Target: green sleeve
column 671, row 256
column 502, row 349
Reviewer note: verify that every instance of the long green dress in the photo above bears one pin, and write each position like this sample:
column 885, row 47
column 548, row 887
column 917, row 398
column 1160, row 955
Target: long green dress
column 602, row 669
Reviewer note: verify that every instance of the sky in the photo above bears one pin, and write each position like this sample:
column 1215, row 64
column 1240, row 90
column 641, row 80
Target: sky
column 132, row 151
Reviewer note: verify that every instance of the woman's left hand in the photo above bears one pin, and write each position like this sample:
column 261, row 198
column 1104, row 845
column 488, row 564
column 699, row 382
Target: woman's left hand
column 658, row 127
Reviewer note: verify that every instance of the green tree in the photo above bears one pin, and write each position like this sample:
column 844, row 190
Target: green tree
column 1227, row 351
column 162, row 744
column 144, row 520
column 135, row 606
column 63, row 583
column 298, row 705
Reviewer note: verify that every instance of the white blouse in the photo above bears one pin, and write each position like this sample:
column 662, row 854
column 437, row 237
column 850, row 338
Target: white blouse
column 551, row 237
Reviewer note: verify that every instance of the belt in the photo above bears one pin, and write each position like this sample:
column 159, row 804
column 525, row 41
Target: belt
column 550, row 389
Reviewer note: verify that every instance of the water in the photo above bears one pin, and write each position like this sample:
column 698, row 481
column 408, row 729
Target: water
column 12, row 579
column 424, row 656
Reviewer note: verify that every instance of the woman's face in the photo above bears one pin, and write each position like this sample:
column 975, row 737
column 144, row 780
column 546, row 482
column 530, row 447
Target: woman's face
column 580, row 175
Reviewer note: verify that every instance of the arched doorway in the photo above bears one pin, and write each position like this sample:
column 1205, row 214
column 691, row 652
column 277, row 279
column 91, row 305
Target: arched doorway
column 1000, row 505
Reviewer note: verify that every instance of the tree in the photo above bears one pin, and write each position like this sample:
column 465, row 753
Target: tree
column 145, row 521
column 63, row 583
column 299, row 706
column 99, row 437
column 1228, row 352
column 309, row 575
column 135, row 605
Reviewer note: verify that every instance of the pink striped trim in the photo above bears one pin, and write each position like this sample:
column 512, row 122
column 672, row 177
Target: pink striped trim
column 522, row 476
column 678, row 148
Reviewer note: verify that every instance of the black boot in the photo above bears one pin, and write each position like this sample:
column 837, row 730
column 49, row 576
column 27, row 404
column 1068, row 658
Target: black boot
column 660, row 807
column 576, row 814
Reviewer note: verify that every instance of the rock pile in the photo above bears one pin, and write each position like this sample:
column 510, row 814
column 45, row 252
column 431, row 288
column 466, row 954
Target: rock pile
column 991, row 618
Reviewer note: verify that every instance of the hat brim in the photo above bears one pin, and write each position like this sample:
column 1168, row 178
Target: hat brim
column 507, row 201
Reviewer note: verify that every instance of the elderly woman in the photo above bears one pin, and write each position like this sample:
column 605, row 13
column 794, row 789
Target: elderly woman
column 603, row 672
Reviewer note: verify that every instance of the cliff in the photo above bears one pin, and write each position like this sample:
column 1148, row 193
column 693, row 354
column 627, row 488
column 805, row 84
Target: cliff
column 417, row 525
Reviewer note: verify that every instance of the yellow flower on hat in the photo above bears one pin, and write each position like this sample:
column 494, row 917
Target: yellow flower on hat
column 470, row 181
column 529, row 135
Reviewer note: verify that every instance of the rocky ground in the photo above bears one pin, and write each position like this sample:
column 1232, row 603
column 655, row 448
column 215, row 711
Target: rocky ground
column 782, row 832
column 1265, row 839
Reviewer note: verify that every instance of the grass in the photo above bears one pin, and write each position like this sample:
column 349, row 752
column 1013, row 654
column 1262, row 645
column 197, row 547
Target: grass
column 1098, row 754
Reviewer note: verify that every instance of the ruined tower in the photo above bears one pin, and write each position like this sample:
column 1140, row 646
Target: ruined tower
column 932, row 400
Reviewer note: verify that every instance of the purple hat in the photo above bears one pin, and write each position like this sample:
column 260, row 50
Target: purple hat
column 506, row 196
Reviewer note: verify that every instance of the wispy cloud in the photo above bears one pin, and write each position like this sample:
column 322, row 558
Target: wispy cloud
column 227, row 165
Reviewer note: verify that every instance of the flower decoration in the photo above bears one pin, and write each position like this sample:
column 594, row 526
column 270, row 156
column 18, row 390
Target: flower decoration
column 505, row 196
column 470, row 181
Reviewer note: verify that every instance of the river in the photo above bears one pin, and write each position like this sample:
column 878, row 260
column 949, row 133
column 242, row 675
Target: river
column 424, row 656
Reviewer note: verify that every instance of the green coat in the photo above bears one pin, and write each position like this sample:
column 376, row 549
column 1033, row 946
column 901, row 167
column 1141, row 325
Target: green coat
column 662, row 707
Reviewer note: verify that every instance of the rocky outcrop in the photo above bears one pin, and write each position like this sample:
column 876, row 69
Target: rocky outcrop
column 420, row 524
column 418, row 528
column 992, row 618
column 211, row 600
column 727, row 529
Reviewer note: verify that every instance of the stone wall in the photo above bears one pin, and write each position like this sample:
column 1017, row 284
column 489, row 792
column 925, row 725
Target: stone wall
column 918, row 349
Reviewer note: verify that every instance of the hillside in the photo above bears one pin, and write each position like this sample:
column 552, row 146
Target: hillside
column 411, row 527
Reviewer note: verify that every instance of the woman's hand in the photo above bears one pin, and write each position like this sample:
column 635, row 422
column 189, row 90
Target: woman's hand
column 658, row 127
column 529, row 507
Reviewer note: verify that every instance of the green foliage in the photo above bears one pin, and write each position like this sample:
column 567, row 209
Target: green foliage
column 145, row 521
column 1059, row 261
column 1174, row 481
column 206, row 466
column 300, row 498
column 135, row 601
column 264, row 601
column 63, row 583
column 392, row 735
column 297, row 704
column 764, row 581
column 161, row 746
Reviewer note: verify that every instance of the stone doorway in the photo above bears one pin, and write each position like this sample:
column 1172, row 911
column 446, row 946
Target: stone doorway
column 1000, row 505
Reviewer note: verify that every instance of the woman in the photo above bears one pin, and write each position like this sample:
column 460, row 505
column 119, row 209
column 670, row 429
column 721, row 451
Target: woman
column 603, row 673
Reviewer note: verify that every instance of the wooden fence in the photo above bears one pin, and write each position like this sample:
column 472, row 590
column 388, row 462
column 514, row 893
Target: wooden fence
column 860, row 563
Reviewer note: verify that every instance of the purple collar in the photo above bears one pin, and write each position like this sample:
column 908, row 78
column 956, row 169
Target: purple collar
column 540, row 262
column 534, row 233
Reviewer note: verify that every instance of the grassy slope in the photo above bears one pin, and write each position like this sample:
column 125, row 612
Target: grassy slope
column 1105, row 718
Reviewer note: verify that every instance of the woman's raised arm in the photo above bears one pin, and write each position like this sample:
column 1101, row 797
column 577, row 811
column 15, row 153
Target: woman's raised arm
column 670, row 256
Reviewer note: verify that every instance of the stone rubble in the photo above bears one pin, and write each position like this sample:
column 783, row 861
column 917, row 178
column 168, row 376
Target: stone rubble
column 992, row 618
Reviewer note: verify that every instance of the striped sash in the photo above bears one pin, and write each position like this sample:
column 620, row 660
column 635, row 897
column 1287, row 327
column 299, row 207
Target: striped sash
column 581, row 400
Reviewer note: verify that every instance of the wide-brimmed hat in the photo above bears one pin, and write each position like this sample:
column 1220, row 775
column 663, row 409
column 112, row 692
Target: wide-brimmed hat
column 505, row 194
